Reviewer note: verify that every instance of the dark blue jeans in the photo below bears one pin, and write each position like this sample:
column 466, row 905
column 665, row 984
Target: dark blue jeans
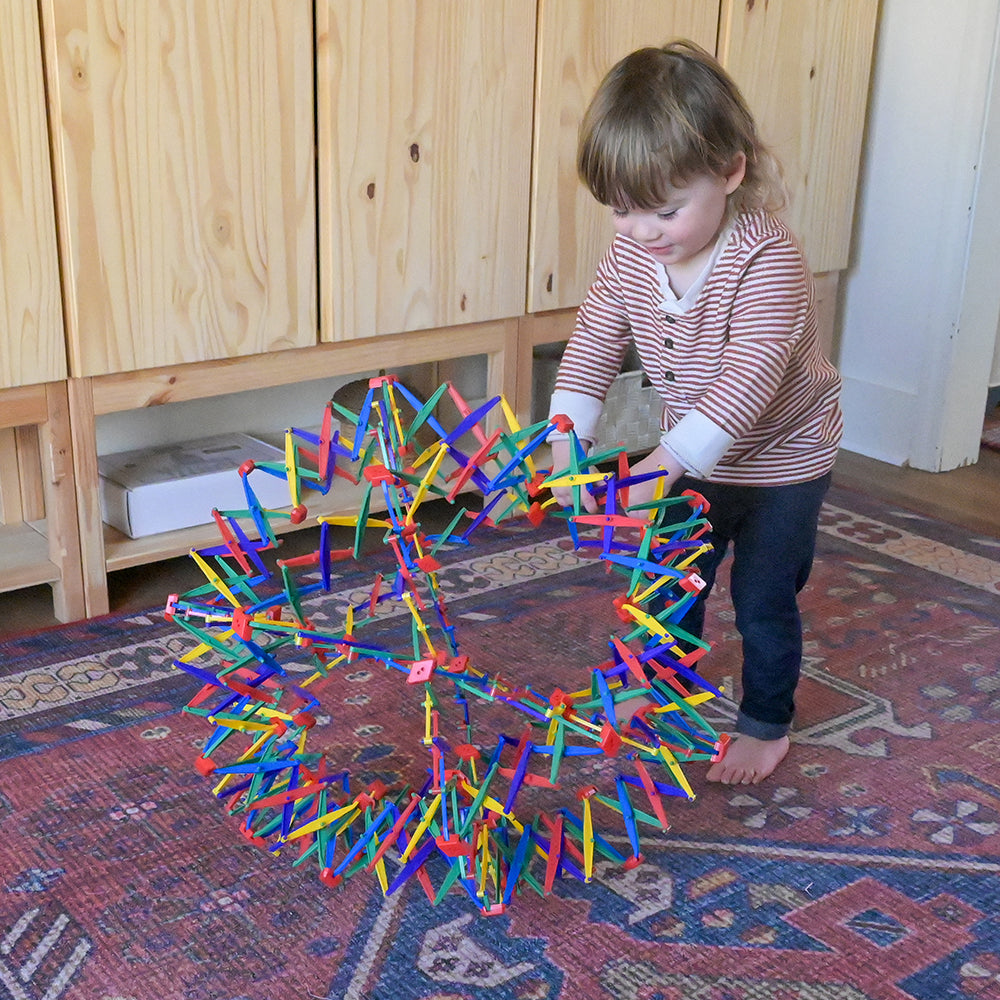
column 772, row 530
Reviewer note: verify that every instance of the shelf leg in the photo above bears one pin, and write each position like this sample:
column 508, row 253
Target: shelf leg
column 88, row 495
column 54, row 438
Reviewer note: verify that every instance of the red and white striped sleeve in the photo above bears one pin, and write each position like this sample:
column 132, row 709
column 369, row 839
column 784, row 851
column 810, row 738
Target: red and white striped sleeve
column 594, row 353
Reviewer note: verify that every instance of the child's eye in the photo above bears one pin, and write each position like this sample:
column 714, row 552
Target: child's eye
column 667, row 215
column 619, row 213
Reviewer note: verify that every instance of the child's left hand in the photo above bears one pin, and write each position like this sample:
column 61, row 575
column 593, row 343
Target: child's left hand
column 658, row 459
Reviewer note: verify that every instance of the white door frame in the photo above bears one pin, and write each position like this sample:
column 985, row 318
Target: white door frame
column 947, row 435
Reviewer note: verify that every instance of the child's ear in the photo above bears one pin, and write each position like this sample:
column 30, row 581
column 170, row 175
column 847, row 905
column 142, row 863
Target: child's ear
column 736, row 172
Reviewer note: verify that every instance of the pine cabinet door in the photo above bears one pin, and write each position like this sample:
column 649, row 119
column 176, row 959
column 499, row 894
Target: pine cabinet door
column 31, row 334
column 804, row 67
column 579, row 41
column 183, row 135
column 424, row 111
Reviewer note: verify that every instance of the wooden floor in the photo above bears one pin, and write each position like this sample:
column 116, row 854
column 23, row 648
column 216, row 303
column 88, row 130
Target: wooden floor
column 968, row 497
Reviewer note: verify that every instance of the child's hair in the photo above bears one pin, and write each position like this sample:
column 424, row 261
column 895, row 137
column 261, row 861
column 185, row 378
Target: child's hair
column 661, row 117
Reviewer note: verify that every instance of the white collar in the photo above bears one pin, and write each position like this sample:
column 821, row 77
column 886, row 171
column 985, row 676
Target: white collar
column 678, row 306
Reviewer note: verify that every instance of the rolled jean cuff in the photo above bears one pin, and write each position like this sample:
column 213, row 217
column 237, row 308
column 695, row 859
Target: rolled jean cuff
column 760, row 730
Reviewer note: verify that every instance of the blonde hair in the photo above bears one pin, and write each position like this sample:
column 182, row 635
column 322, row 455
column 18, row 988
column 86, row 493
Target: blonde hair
column 663, row 116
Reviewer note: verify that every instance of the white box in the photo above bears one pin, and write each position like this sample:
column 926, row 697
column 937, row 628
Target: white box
column 151, row 490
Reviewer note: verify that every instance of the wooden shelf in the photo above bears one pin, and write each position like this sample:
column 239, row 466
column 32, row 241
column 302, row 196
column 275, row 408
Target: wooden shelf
column 343, row 499
column 39, row 544
column 104, row 549
column 121, row 552
column 26, row 560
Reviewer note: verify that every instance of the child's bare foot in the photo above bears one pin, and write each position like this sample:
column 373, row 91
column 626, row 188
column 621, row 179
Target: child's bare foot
column 748, row 761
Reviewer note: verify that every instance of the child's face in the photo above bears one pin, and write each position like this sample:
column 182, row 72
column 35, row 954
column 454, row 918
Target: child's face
column 682, row 232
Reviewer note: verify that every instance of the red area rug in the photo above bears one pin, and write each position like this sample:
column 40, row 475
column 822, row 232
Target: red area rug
column 868, row 867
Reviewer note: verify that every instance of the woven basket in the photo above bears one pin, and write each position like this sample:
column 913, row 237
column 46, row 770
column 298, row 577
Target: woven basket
column 632, row 409
column 631, row 415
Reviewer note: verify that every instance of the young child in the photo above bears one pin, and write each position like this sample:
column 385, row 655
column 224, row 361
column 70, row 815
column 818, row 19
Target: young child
column 714, row 293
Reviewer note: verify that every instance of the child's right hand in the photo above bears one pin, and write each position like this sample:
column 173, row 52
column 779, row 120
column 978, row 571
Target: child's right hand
column 564, row 494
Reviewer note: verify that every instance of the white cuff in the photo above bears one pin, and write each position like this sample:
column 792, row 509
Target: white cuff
column 583, row 410
column 697, row 443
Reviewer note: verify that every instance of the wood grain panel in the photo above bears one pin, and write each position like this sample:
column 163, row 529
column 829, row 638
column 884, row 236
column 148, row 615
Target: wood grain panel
column 10, row 494
column 177, row 384
column 88, row 495
column 31, row 334
column 29, row 465
column 579, row 41
column 804, row 67
column 183, row 133
column 62, row 526
column 424, row 147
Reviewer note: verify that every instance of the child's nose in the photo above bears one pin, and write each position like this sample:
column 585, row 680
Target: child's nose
column 644, row 228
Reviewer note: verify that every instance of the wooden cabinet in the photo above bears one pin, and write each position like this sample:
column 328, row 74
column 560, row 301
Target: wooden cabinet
column 104, row 549
column 38, row 520
column 578, row 42
column 183, row 147
column 32, row 349
column 254, row 192
column 424, row 126
column 804, row 67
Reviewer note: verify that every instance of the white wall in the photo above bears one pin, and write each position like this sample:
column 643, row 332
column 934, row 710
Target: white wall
column 921, row 299
column 995, row 370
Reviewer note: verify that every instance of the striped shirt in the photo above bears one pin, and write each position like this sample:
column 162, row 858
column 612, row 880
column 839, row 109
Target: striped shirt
column 748, row 397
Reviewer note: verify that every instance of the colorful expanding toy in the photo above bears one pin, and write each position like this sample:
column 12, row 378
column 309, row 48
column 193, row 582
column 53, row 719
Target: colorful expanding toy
column 463, row 817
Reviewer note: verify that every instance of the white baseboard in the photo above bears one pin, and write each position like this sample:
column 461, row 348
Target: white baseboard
column 878, row 421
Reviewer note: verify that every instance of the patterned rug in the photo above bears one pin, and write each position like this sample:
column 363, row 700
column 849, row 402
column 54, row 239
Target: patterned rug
column 867, row 867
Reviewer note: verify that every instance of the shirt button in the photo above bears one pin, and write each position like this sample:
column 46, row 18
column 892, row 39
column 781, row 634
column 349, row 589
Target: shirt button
column 669, row 376
column 669, row 319
column 668, row 343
